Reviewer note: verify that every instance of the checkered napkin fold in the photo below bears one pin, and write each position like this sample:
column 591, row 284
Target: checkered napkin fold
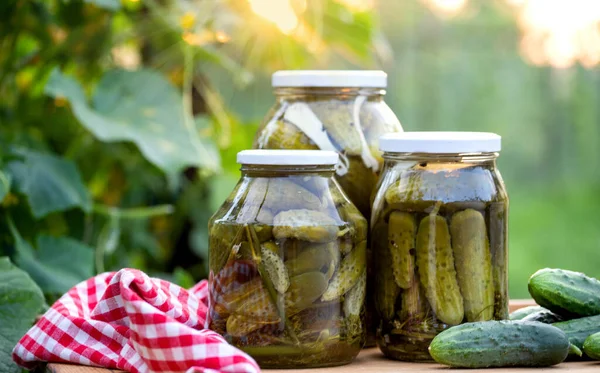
column 127, row 320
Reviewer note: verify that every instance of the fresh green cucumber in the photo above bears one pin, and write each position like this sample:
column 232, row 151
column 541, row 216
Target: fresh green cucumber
column 591, row 346
column 567, row 293
column 579, row 329
column 500, row 344
column 521, row 313
column 545, row 316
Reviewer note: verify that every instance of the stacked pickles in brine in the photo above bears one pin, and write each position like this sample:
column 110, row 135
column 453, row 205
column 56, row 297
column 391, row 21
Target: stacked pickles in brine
column 288, row 271
column 439, row 245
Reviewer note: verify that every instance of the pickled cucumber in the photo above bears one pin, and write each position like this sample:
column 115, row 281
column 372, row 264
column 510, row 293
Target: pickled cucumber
column 336, row 117
column 276, row 269
column 435, row 262
column 402, row 230
column 240, row 325
column 305, row 225
column 386, row 289
column 304, row 289
column 312, row 258
column 358, row 223
column 354, row 299
column 348, row 274
column 285, row 135
column 473, row 264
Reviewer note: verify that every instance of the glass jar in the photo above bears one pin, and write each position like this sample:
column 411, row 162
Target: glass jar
column 342, row 111
column 337, row 110
column 439, row 238
column 287, row 257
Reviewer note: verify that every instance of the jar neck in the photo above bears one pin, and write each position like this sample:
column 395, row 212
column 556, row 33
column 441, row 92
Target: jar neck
column 254, row 170
column 442, row 158
column 327, row 92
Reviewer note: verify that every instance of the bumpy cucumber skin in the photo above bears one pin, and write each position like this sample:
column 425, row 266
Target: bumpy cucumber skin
column 521, row 313
column 351, row 268
column 435, row 263
column 567, row 293
column 591, row 346
column 473, row 264
column 402, row 229
column 500, row 344
column 579, row 329
column 545, row 316
column 276, row 269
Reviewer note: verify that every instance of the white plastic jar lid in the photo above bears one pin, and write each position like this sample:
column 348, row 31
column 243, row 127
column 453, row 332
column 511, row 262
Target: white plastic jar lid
column 440, row 142
column 288, row 157
column 330, row 78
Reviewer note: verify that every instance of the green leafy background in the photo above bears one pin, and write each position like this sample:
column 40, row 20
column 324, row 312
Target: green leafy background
column 120, row 122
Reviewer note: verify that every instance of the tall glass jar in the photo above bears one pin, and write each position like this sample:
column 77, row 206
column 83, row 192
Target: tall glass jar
column 342, row 111
column 337, row 110
column 439, row 238
column 287, row 257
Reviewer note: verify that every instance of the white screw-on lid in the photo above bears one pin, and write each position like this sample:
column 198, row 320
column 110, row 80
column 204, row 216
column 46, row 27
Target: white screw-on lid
column 330, row 78
column 440, row 142
column 288, row 157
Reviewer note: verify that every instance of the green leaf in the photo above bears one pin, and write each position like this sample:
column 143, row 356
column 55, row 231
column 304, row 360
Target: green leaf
column 57, row 265
column 106, row 4
column 4, row 185
column 49, row 182
column 142, row 107
column 20, row 302
column 183, row 278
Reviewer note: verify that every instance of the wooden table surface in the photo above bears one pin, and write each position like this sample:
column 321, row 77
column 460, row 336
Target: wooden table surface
column 372, row 361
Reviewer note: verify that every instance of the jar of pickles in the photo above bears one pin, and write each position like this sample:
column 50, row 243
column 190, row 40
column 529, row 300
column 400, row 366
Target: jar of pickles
column 287, row 257
column 439, row 238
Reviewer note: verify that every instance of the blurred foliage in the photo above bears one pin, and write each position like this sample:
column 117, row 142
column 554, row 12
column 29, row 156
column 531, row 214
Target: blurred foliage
column 115, row 145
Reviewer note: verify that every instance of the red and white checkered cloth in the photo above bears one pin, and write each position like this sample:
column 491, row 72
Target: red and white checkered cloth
column 127, row 320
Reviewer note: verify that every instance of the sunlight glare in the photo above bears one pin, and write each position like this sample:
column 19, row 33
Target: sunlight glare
column 279, row 12
column 446, row 7
column 358, row 5
column 560, row 33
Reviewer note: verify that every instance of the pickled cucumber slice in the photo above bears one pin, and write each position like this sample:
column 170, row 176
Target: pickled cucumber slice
column 305, row 225
column 257, row 304
column 402, row 231
column 285, row 135
column 312, row 258
column 435, row 263
column 473, row 263
column 351, row 268
column 358, row 224
column 386, row 289
column 222, row 238
column 240, row 325
column 251, row 204
column 276, row 269
column 355, row 297
column 304, row 289
column 336, row 117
